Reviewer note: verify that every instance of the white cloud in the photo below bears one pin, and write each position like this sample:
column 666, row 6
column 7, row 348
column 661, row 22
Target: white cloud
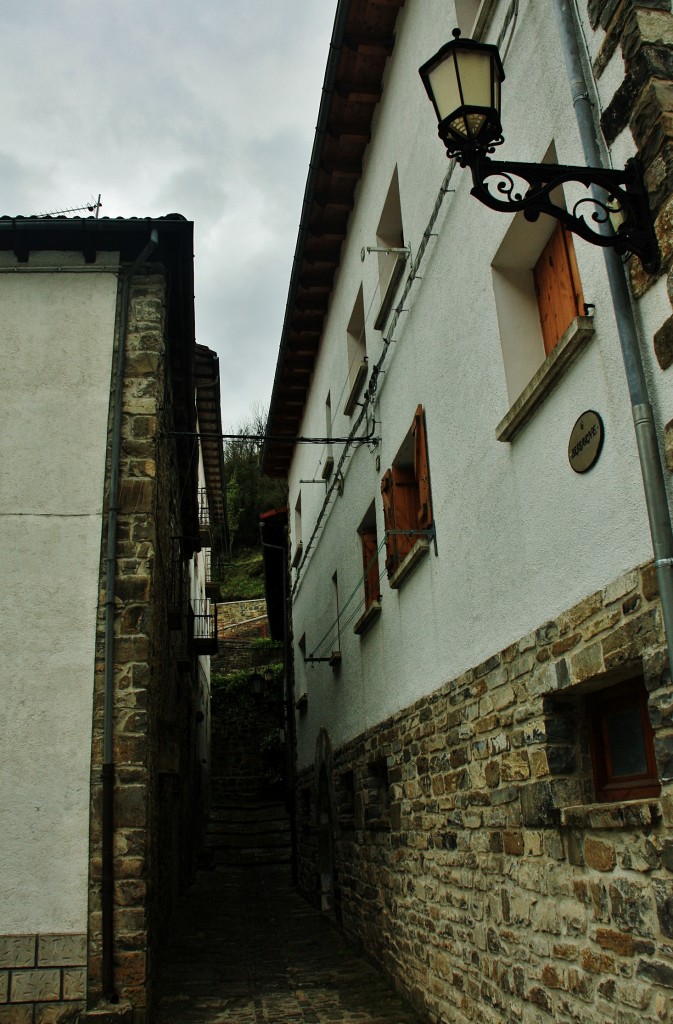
column 205, row 108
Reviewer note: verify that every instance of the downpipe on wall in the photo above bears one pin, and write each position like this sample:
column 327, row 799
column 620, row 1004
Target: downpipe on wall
column 107, row 771
column 643, row 417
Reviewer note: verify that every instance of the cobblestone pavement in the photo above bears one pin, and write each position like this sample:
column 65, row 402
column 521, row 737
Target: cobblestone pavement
column 245, row 948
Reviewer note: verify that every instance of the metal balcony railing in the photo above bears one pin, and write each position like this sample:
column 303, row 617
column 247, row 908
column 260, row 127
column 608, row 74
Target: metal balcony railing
column 205, row 626
column 205, row 531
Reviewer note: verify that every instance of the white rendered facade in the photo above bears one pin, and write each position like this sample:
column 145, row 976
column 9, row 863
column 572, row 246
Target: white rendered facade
column 58, row 331
column 520, row 536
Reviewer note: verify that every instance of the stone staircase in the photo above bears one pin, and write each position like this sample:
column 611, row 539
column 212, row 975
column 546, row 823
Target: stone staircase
column 248, row 833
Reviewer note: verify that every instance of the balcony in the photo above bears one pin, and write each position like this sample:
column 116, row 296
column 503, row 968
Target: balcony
column 213, row 568
column 205, row 626
column 205, row 529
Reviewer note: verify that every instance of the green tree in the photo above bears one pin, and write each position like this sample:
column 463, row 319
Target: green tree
column 249, row 492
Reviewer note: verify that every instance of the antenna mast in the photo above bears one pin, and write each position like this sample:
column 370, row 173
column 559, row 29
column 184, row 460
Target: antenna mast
column 91, row 205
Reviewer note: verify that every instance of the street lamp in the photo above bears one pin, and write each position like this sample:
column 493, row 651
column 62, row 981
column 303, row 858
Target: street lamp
column 463, row 81
column 256, row 683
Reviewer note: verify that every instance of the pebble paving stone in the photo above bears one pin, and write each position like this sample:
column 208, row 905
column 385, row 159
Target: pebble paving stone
column 245, row 948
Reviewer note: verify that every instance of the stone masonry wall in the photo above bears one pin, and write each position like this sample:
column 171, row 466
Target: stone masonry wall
column 469, row 859
column 156, row 779
column 42, row 978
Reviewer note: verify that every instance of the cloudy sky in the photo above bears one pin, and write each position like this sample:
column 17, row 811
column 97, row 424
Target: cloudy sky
column 200, row 107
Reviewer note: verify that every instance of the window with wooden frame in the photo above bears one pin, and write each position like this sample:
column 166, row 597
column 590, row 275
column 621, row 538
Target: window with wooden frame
column 407, row 506
column 558, row 287
column 369, row 546
column 622, row 743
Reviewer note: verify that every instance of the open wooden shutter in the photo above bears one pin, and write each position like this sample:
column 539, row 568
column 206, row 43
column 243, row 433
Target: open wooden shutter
column 405, row 501
column 389, row 521
column 371, row 566
column 558, row 287
column 422, row 470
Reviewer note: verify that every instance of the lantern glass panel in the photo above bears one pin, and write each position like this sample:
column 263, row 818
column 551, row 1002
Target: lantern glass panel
column 474, row 69
column 444, row 85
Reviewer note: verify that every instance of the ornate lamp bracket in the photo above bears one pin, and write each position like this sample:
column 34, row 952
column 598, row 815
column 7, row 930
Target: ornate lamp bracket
column 614, row 213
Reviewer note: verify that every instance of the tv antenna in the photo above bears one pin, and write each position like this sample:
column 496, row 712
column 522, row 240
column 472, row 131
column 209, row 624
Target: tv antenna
column 91, row 205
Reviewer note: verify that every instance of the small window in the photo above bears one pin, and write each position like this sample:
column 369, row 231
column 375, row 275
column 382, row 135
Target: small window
column 328, row 464
column 370, row 560
column 622, row 743
column 298, row 545
column 538, row 298
column 407, row 507
column 356, row 344
column 391, row 252
column 377, row 809
column 369, row 544
column 557, row 287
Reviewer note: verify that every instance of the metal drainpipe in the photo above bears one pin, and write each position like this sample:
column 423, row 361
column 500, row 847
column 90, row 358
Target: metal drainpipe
column 107, row 770
column 643, row 417
column 289, row 708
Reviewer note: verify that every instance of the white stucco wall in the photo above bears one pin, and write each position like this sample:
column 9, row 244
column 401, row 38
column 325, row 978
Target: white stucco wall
column 520, row 536
column 56, row 333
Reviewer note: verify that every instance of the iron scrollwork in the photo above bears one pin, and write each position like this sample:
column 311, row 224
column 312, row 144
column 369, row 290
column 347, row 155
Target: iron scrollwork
column 616, row 213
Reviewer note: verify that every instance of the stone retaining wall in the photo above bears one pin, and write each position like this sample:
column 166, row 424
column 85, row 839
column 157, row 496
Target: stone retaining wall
column 466, row 854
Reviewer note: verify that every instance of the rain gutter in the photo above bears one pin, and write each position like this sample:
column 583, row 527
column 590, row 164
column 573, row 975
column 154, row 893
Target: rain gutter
column 107, row 770
column 643, row 417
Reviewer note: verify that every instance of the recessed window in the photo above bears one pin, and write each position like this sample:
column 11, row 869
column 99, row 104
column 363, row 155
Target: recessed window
column 622, row 743
column 369, row 543
column 390, row 250
column 298, row 545
column 357, row 353
column 328, row 464
column 377, row 810
column 538, row 294
column 407, row 506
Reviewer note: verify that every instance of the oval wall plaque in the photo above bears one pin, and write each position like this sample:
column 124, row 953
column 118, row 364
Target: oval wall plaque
column 586, row 441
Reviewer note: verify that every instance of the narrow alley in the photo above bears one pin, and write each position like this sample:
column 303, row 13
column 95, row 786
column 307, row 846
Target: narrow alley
column 247, row 949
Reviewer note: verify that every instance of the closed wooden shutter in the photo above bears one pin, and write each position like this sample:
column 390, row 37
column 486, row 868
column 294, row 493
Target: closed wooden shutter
column 422, row 470
column 371, row 566
column 558, row 287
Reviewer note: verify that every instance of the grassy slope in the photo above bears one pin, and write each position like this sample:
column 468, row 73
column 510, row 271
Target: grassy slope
column 243, row 577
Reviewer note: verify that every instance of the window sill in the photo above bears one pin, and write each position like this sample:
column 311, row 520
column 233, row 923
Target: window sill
column 301, row 702
column 629, row 814
column 559, row 359
column 368, row 618
column 356, row 388
column 419, row 550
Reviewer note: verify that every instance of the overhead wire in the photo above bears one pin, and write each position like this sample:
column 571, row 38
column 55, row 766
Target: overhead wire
column 377, row 369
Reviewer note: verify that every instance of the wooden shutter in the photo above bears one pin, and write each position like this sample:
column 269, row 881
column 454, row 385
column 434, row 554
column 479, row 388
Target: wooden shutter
column 389, row 521
column 405, row 500
column 558, row 287
column 422, row 470
column 371, row 565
